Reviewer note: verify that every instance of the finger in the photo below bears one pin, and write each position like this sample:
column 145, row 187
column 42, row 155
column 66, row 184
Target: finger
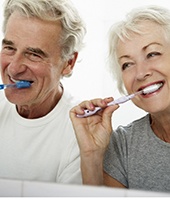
column 76, row 110
column 91, row 104
column 109, row 99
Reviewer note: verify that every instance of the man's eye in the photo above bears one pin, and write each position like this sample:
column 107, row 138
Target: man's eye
column 33, row 57
column 7, row 49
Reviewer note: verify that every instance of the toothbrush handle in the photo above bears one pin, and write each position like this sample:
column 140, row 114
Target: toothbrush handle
column 120, row 100
column 19, row 85
column 92, row 112
column 2, row 86
column 89, row 112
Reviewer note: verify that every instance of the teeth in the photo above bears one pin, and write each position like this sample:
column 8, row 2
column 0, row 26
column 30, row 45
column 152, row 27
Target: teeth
column 152, row 88
column 15, row 81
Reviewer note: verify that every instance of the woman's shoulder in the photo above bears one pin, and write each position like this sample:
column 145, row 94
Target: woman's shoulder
column 134, row 128
column 143, row 121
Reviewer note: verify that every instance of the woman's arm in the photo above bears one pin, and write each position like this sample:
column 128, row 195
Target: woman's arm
column 93, row 135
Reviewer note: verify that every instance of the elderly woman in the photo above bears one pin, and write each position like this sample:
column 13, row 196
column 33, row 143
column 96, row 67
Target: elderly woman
column 138, row 155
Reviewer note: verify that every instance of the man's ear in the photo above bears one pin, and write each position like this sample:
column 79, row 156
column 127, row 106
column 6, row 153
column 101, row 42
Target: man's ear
column 67, row 71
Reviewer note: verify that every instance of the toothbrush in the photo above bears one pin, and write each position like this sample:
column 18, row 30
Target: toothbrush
column 122, row 99
column 19, row 84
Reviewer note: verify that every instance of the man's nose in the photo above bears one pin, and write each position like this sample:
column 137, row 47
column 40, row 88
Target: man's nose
column 17, row 65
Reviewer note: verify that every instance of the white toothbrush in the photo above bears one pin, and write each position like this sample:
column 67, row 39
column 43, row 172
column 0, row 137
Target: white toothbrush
column 122, row 99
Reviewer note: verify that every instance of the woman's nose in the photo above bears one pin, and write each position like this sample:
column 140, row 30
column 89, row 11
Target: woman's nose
column 143, row 71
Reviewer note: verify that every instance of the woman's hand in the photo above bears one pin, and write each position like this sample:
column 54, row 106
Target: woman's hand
column 93, row 132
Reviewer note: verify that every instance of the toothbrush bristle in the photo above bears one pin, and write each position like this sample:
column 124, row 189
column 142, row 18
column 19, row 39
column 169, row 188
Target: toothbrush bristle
column 151, row 88
column 23, row 84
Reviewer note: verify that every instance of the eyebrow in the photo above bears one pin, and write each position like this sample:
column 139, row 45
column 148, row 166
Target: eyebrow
column 5, row 41
column 124, row 56
column 153, row 43
column 37, row 51
column 31, row 49
column 144, row 48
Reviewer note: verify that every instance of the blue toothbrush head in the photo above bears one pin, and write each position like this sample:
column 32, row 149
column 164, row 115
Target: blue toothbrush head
column 23, row 84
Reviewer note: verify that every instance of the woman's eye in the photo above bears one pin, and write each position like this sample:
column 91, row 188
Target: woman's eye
column 126, row 65
column 153, row 54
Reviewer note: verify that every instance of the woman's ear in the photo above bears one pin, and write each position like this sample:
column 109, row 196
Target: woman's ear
column 67, row 71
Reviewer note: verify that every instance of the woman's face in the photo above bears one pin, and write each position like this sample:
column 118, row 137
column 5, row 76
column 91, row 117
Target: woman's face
column 145, row 61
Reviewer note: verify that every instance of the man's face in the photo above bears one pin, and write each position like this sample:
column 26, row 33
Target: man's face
column 31, row 51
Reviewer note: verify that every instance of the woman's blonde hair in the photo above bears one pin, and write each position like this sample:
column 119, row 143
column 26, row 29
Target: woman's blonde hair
column 123, row 29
